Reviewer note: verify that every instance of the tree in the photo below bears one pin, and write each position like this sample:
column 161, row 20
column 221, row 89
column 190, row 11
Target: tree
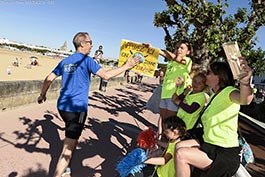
column 207, row 26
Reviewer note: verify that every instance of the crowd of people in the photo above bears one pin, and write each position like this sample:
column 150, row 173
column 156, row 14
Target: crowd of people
column 133, row 77
column 33, row 61
column 209, row 99
column 208, row 96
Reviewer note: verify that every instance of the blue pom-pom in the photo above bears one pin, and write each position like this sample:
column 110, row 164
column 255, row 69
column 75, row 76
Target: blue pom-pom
column 132, row 163
column 140, row 55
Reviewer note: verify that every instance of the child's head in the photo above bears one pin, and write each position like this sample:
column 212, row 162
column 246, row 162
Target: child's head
column 199, row 82
column 183, row 48
column 174, row 128
column 195, row 68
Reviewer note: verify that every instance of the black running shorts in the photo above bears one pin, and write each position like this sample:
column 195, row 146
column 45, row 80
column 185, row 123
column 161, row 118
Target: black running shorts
column 74, row 123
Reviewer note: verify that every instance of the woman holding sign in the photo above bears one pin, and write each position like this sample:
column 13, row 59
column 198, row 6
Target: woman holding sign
column 179, row 66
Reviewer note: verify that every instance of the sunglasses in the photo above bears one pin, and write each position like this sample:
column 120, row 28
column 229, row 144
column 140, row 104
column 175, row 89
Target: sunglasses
column 90, row 42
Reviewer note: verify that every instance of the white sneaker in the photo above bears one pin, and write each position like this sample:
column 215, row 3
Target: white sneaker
column 67, row 171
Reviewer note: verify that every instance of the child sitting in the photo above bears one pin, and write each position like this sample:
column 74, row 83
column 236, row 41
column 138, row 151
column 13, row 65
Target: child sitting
column 175, row 130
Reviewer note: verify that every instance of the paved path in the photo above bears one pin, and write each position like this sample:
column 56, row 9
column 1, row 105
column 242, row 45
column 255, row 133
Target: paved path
column 31, row 136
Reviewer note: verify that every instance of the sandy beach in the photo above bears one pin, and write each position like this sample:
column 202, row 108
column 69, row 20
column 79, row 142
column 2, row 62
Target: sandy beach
column 46, row 65
column 7, row 57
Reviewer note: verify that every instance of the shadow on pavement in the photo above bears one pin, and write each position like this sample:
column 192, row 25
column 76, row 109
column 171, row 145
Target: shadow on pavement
column 36, row 131
column 45, row 130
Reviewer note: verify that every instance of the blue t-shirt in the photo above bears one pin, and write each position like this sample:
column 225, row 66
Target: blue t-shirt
column 75, row 71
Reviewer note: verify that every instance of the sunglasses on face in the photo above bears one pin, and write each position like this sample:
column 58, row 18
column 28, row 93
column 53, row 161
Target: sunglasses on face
column 88, row 41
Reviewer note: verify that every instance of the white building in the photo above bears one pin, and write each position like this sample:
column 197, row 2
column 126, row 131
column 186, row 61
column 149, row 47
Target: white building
column 55, row 51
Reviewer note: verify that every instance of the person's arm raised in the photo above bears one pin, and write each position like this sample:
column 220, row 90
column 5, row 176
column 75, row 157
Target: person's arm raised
column 131, row 62
column 169, row 55
column 245, row 95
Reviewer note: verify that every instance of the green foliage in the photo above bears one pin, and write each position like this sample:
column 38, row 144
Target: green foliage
column 207, row 26
column 257, row 65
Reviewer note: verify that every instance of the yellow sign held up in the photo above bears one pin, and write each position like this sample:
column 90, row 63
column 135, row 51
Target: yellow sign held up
column 149, row 56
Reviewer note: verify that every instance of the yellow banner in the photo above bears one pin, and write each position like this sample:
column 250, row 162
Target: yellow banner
column 149, row 56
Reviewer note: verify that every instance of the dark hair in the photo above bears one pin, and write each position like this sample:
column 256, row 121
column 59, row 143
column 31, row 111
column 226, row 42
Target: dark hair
column 188, row 44
column 201, row 75
column 224, row 72
column 78, row 38
column 174, row 122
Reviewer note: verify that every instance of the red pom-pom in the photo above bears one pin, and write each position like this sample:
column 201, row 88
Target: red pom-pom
column 147, row 139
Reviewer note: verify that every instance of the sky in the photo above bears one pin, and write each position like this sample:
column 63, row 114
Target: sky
column 52, row 22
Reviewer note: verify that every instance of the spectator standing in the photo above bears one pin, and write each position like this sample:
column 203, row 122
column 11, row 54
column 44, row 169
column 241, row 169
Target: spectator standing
column 179, row 65
column 9, row 70
column 127, row 75
column 98, row 57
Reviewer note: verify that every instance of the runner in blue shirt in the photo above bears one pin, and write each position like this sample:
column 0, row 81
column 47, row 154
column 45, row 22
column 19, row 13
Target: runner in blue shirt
column 72, row 104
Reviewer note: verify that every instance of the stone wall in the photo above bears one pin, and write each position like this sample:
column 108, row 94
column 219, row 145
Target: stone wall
column 18, row 93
